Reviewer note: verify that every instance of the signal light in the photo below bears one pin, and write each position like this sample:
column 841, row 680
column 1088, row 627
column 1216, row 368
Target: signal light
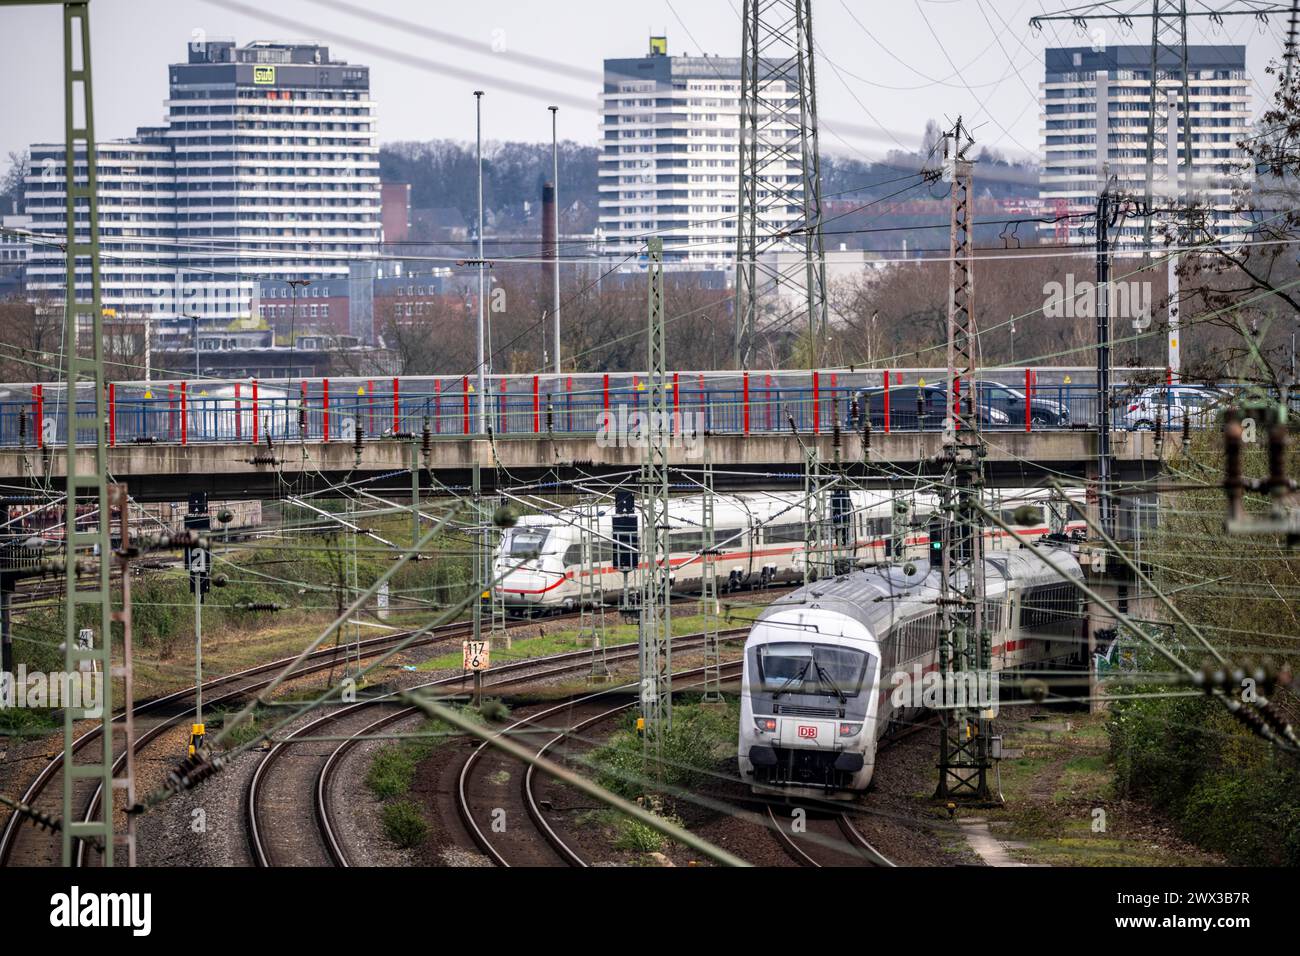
column 765, row 724
column 849, row 730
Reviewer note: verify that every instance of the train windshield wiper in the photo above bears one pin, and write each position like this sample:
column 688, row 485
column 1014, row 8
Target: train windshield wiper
column 824, row 676
column 792, row 678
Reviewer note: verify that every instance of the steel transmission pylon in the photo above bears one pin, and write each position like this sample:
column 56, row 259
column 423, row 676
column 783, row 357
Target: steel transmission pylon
column 964, row 644
column 780, row 202
column 1168, row 42
column 655, row 628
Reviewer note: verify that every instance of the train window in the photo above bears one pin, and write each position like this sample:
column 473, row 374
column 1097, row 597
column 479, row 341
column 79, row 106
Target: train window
column 524, row 541
column 783, row 533
column 811, row 668
column 728, row 539
column 689, row 542
column 573, row 555
column 604, row 552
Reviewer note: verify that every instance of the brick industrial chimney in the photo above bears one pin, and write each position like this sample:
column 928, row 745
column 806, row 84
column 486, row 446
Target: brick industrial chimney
column 549, row 245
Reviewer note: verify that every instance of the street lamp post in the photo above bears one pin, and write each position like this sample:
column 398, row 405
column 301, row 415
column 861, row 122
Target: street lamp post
column 555, row 270
column 482, row 276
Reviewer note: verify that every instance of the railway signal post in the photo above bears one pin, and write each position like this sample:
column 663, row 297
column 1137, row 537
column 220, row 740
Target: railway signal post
column 198, row 561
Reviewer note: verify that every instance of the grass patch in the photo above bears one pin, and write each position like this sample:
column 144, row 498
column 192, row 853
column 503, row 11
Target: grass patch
column 1085, row 778
column 28, row 721
column 245, row 733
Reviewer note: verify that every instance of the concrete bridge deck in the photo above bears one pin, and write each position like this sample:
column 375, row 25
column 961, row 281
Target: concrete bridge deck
column 167, row 472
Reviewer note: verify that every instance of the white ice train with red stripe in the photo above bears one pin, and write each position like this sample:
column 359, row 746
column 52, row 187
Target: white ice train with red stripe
column 758, row 540
column 830, row 668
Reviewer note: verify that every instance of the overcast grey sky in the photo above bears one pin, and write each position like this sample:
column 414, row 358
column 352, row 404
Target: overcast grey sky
column 884, row 66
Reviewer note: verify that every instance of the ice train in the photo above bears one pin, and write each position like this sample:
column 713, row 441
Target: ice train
column 758, row 537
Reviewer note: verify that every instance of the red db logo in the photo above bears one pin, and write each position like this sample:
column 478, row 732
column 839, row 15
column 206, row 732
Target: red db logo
column 808, row 732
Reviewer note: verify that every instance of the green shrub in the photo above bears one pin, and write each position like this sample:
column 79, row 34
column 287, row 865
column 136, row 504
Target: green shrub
column 699, row 744
column 404, row 824
column 391, row 771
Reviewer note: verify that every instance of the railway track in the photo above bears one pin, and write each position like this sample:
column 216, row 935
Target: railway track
column 295, row 779
column 24, row 845
column 824, row 839
column 489, row 783
column 536, row 806
column 836, row 840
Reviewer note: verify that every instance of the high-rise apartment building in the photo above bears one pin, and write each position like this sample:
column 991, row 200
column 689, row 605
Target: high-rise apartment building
column 267, row 167
column 670, row 155
column 1094, row 117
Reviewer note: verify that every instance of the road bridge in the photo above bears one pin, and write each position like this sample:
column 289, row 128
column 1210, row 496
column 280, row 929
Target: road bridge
column 236, row 470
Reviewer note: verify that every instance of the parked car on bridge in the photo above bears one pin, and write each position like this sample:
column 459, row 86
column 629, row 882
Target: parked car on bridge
column 1172, row 403
column 903, row 408
column 1042, row 411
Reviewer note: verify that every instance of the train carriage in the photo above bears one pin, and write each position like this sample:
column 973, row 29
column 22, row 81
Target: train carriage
column 829, row 668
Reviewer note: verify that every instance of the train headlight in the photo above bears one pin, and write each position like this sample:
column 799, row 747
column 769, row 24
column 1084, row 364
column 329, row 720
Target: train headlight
column 850, row 730
column 765, row 725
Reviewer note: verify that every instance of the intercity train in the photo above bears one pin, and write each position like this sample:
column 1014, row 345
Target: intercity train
column 759, row 540
column 831, row 667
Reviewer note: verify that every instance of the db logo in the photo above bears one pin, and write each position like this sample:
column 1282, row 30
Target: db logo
column 809, row 732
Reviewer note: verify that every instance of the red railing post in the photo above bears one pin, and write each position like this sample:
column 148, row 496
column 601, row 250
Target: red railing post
column 816, row 410
column 112, row 414
column 956, row 404
column 677, row 408
column 745, row 393
column 254, row 411
column 239, row 414
column 464, row 387
column 868, row 411
column 39, row 394
column 185, row 425
column 370, row 406
column 325, row 408
column 605, row 399
column 501, row 404
column 1028, row 398
column 397, row 408
column 537, row 408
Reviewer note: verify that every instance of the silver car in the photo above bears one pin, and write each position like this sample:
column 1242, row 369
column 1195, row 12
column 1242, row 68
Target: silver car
column 1172, row 403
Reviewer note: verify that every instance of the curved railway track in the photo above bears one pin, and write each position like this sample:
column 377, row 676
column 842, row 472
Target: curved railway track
column 837, row 841
column 536, row 806
column 25, row 845
column 297, row 785
column 827, row 839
